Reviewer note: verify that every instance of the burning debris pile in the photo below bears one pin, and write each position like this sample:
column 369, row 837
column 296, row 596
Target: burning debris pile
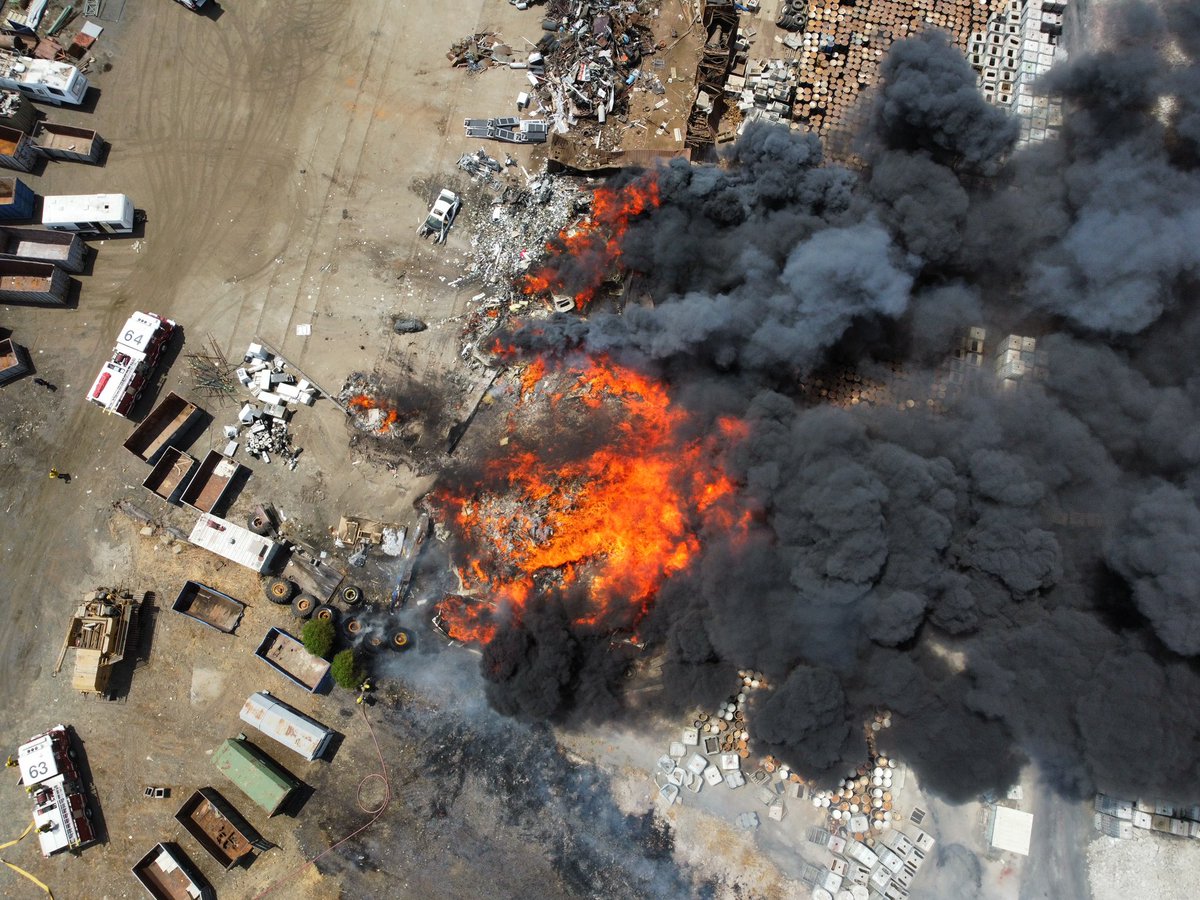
column 369, row 411
column 604, row 524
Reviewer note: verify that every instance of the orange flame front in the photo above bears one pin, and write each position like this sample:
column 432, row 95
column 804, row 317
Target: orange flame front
column 364, row 402
column 608, row 525
column 594, row 245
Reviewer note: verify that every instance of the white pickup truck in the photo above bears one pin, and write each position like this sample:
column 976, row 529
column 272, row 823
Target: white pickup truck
column 441, row 216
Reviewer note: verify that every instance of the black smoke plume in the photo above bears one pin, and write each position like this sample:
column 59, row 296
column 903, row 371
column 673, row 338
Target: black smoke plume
column 1017, row 576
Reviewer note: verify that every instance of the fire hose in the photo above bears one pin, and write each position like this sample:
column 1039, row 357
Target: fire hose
column 18, row 869
column 373, row 813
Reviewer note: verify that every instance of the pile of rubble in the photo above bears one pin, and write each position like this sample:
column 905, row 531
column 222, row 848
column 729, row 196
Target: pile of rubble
column 477, row 52
column 267, row 377
column 368, row 411
column 767, row 91
column 484, row 169
column 715, row 747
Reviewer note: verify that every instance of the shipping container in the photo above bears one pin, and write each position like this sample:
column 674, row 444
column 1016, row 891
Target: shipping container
column 16, row 200
column 33, row 283
column 168, row 425
column 17, row 150
column 255, row 774
column 290, row 727
column 67, row 251
column 167, row 874
column 66, row 142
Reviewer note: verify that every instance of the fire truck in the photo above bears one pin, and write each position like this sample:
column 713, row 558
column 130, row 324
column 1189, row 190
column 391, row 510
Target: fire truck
column 61, row 815
column 139, row 345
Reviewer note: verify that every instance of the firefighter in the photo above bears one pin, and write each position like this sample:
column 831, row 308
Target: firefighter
column 363, row 689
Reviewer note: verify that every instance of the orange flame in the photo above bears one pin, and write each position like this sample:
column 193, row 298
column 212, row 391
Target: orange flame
column 611, row 524
column 595, row 243
column 364, row 402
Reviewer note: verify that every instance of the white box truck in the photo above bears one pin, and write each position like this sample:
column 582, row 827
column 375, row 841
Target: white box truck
column 88, row 213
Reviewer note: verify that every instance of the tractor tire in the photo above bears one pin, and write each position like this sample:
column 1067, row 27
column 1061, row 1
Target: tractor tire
column 400, row 640
column 373, row 643
column 303, row 606
column 351, row 595
column 351, row 628
column 260, row 525
column 328, row 613
column 280, row 590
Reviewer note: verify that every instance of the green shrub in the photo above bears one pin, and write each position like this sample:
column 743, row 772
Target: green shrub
column 345, row 670
column 318, row 637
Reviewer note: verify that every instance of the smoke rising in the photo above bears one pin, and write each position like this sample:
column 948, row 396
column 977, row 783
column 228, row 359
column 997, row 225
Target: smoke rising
column 1015, row 576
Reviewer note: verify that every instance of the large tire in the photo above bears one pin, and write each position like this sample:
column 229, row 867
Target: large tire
column 351, row 595
column 260, row 525
column 328, row 613
column 374, row 642
column 400, row 640
column 303, row 606
column 279, row 590
column 351, row 628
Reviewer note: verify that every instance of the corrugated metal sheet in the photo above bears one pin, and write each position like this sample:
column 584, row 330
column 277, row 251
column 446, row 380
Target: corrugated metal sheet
column 280, row 722
column 254, row 774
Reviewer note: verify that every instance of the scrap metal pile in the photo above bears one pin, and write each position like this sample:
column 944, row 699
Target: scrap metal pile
column 267, row 377
column 477, row 52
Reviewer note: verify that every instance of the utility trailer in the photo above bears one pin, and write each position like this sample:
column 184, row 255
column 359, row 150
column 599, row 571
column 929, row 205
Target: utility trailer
column 66, row 142
column 14, row 361
column 67, row 251
column 209, row 606
column 211, row 483
column 170, row 474
column 166, row 426
column 219, row 828
column 287, row 656
column 235, row 543
column 61, row 815
column 167, row 874
column 33, row 283
column 16, row 199
column 16, row 149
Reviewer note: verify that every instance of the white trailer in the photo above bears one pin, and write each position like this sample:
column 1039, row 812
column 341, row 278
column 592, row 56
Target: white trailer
column 293, row 729
column 42, row 79
column 88, row 213
column 235, row 543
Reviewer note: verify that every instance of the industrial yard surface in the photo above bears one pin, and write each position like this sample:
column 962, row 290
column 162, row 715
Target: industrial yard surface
column 283, row 155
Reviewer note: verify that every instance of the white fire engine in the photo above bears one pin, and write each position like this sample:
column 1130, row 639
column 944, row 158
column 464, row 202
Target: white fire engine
column 124, row 377
column 61, row 815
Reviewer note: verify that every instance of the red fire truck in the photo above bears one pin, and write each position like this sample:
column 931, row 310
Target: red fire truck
column 139, row 345
column 61, row 814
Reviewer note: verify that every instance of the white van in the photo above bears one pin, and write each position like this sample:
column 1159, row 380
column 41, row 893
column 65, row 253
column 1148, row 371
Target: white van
column 88, row 213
